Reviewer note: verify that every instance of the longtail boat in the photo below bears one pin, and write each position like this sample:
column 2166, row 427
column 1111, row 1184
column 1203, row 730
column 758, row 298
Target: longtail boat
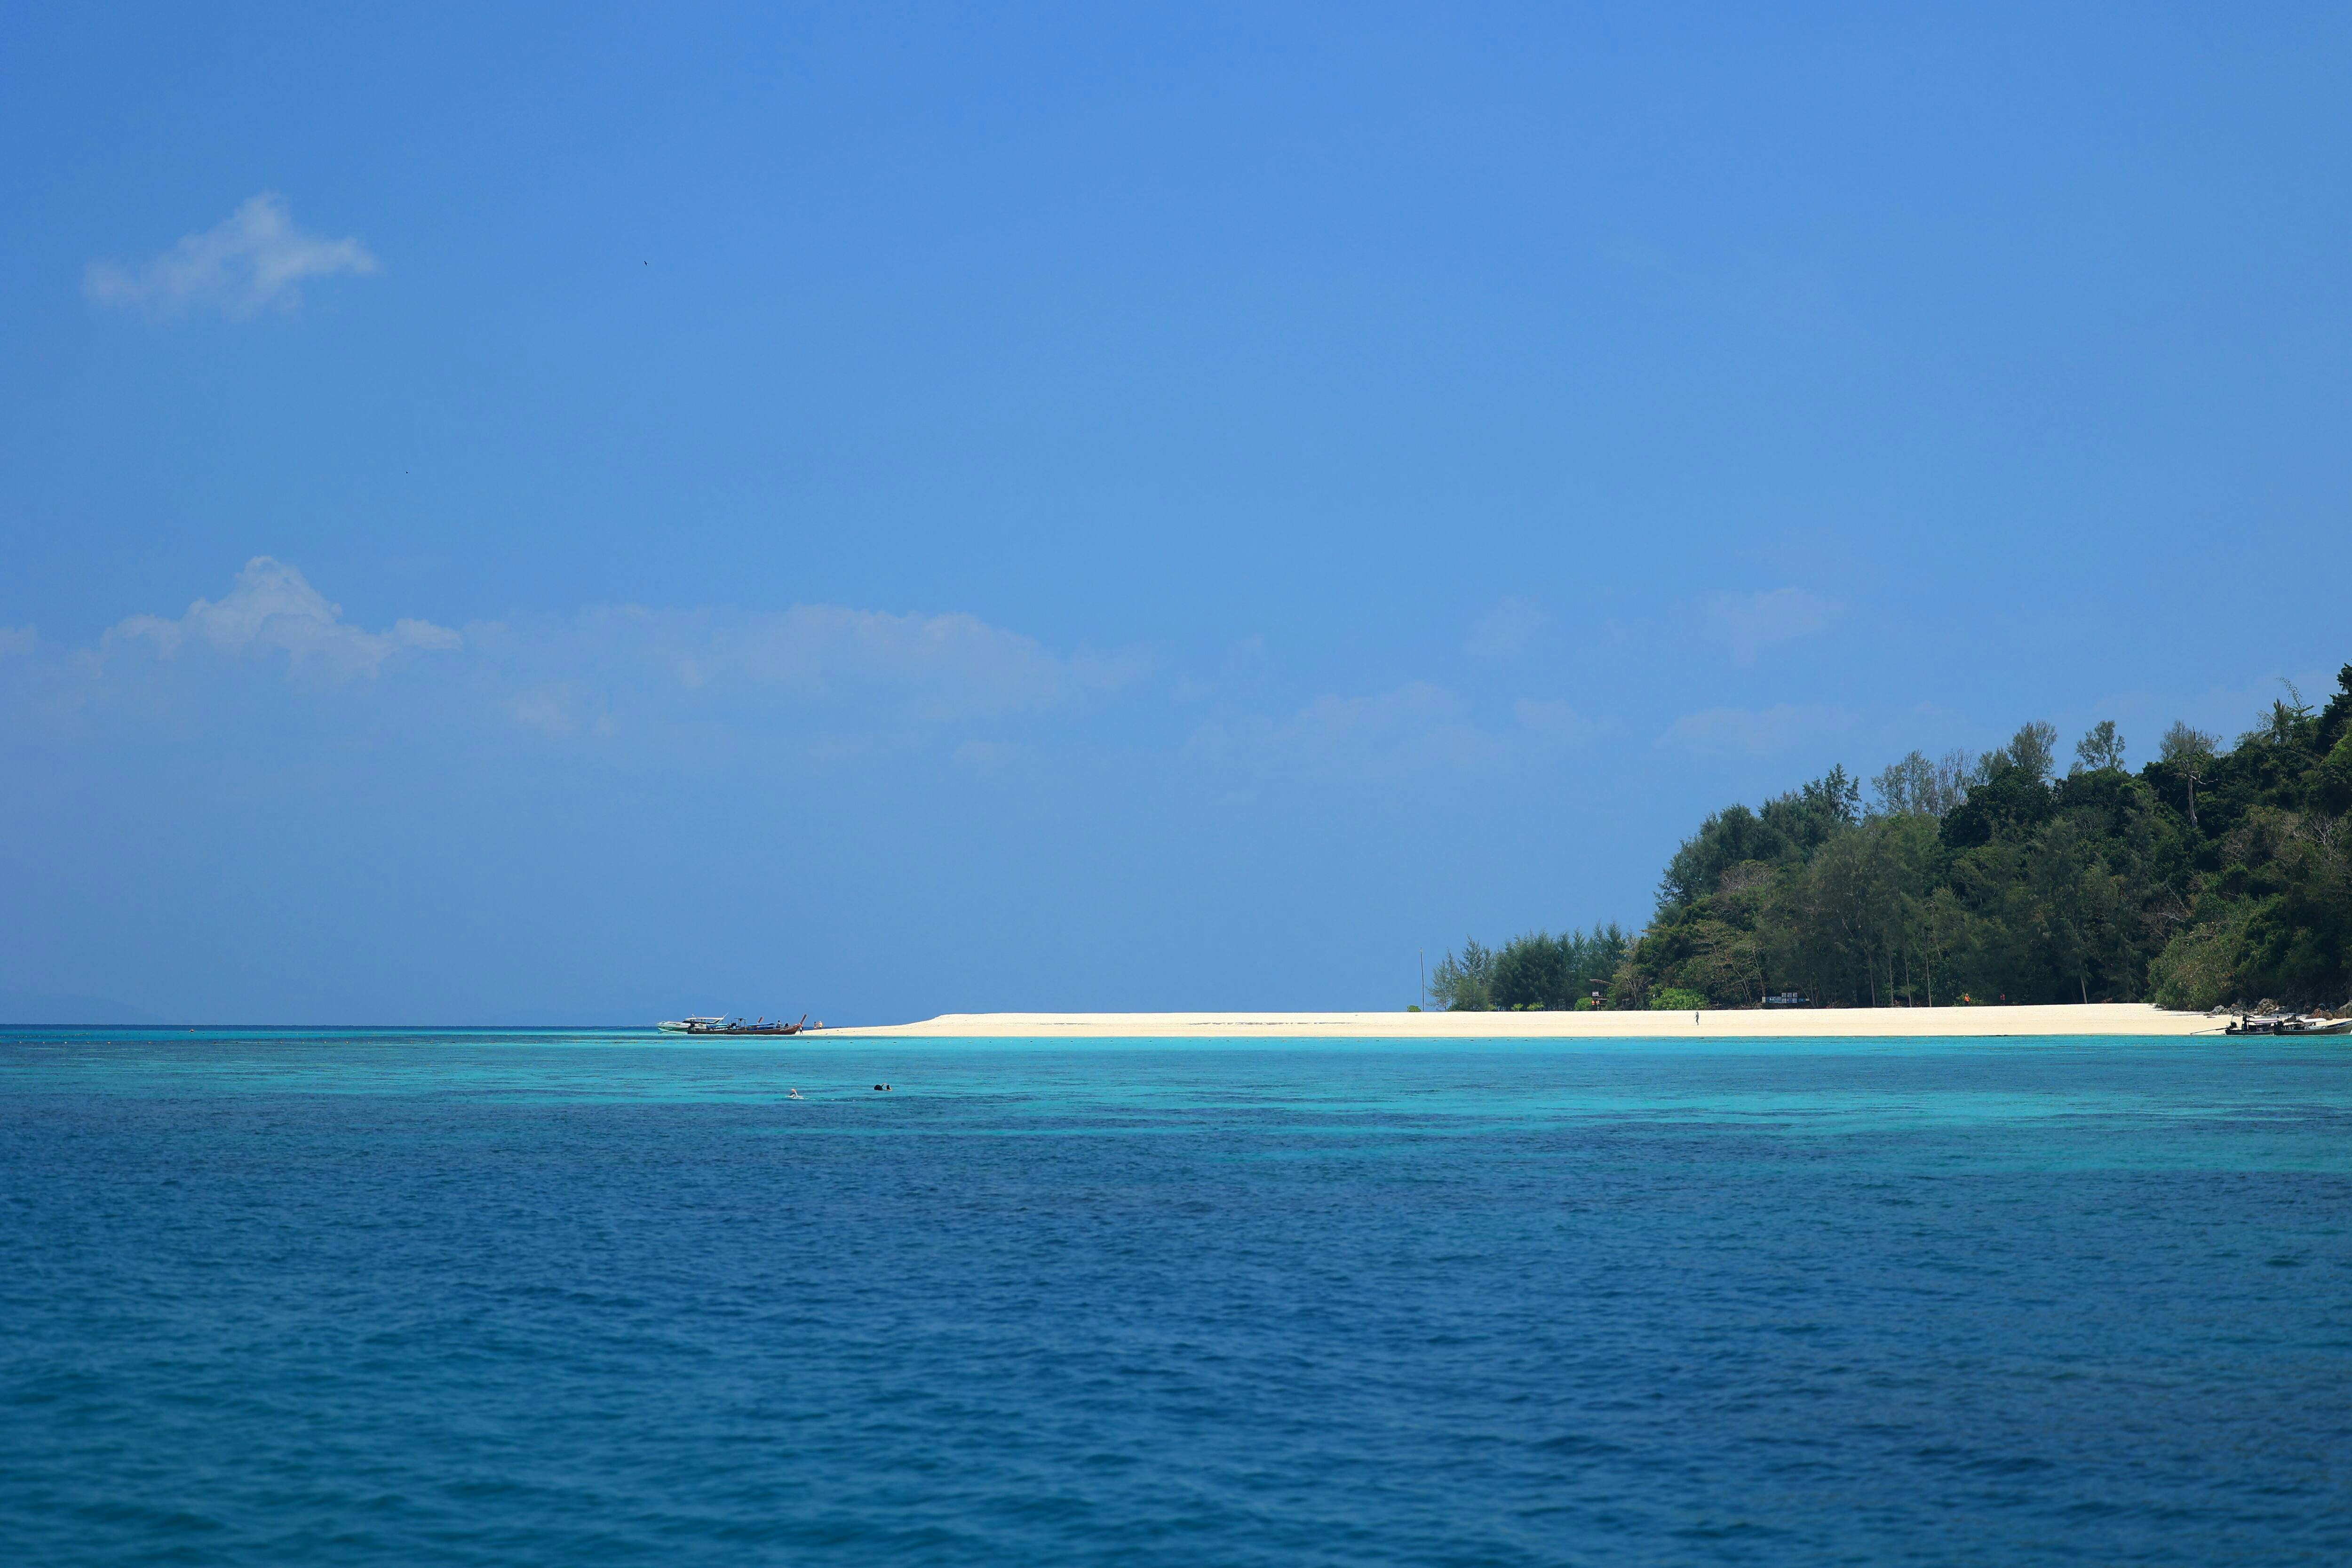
column 2287, row 1024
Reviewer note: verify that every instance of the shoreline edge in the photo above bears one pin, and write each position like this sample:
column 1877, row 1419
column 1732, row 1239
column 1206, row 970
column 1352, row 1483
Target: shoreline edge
column 2118, row 1018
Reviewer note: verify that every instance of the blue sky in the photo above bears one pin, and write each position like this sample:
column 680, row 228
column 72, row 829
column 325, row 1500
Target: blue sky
column 579, row 513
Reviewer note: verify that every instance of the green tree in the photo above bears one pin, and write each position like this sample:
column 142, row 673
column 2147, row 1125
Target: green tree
column 1917, row 787
column 2101, row 748
column 2034, row 748
column 1530, row 973
column 1460, row 985
column 2190, row 753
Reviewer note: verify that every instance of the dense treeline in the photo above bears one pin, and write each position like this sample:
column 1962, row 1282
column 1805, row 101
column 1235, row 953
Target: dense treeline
column 2211, row 876
column 1540, row 972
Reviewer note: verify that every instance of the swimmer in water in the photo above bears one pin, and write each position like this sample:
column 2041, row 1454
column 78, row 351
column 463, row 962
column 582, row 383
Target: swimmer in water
column 795, row 1094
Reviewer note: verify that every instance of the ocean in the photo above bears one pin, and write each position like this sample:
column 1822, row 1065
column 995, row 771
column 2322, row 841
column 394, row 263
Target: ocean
column 330, row 1297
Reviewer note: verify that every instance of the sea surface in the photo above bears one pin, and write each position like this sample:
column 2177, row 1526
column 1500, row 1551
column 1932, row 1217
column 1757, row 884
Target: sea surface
column 336, row 1296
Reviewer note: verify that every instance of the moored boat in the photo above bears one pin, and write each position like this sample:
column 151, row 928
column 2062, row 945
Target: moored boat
column 2287, row 1024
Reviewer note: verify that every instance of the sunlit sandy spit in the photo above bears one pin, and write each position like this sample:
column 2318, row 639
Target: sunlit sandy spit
column 2137, row 1018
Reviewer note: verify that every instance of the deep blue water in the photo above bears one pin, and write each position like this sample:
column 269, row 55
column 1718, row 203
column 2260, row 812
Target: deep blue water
column 405, row 1298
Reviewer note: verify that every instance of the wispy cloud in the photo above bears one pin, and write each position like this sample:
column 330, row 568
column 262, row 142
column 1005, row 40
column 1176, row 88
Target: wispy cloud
column 1508, row 629
column 560, row 708
column 1416, row 727
column 1552, row 720
column 1749, row 622
column 1740, row 732
column 254, row 258
column 634, row 665
column 624, row 671
column 273, row 607
column 948, row 665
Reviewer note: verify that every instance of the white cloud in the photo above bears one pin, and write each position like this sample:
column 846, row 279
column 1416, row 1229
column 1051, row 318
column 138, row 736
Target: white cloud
column 273, row 607
column 17, row 639
column 826, row 681
column 885, row 667
column 1416, row 727
column 1737, row 732
column 559, row 708
column 1751, row 623
column 1553, row 720
column 1508, row 629
column 254, row 258
column 948, row 665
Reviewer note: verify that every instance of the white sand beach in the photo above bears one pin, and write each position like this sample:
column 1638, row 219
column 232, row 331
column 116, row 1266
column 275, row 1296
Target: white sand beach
column 2134, row 1019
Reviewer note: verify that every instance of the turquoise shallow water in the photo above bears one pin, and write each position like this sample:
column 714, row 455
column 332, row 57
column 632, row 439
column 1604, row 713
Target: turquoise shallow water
column 397, row 1297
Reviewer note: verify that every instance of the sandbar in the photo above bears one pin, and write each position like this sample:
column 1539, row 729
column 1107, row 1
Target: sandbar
column 2126, row 1018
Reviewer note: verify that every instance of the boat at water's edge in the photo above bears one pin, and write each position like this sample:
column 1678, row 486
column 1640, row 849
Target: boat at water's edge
column 718, row 1023
column 2287, row 1024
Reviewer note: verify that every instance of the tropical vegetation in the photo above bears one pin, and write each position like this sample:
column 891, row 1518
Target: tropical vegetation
column 2212, row 877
